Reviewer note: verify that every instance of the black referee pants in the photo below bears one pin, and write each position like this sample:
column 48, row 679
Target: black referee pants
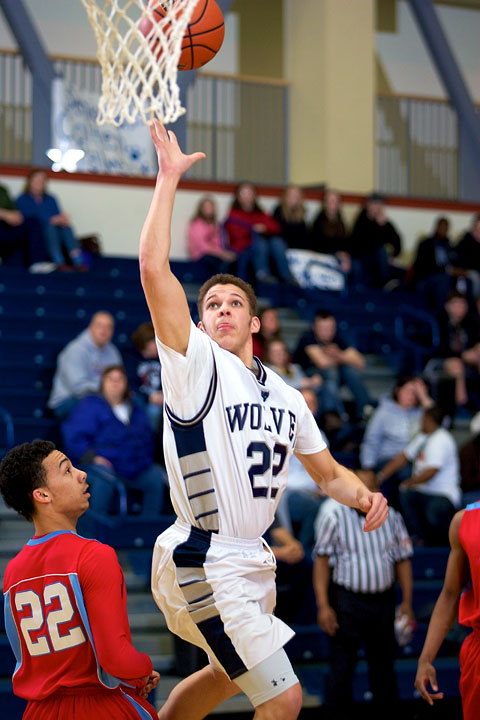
column 365, row 620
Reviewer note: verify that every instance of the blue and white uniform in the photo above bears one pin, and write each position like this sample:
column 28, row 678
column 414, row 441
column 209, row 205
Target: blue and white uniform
column 229, row 434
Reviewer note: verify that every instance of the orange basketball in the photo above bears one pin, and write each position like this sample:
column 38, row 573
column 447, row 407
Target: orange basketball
column 203, row 37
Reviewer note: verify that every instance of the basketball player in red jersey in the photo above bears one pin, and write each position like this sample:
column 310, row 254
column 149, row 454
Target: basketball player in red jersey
column 463, row 566
column 65, row 601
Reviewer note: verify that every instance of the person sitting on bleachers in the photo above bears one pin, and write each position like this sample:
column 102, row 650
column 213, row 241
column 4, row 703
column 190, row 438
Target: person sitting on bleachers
column 433, row 273
column 301, row 500
column 81, row 362
column 21, row 241
column 354, row 580
column 328, row 233
column 293, row 576
column 270, row 329
column 148, row 378
column 459, row 349
column 109, row 436
column 256, row 239
column 392, row 425
column 374, row 242
column 205, row 241
column 290, row 213
column 36, row 203
column 468, row 254
column 277, row 357
column 322, row 349
column 430, row 496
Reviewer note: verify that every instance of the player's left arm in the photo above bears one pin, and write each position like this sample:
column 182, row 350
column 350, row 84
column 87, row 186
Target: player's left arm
column 444, row 613
column 104, row 593
column 344, row 486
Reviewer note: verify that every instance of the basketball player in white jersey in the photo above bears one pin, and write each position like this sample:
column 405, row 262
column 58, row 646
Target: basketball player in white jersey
column 230, row 428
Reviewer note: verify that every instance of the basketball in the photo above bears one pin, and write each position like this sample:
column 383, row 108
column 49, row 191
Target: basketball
column 203, row 37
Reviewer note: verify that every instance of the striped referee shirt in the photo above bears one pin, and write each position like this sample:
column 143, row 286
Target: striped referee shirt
column 361, row 561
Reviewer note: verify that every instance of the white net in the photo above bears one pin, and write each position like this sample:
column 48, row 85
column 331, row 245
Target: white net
column 139, row 50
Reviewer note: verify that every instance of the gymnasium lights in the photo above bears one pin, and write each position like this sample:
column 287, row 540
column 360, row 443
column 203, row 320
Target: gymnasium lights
column 65, row 159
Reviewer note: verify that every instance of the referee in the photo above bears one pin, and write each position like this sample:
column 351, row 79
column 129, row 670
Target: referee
column 354, row 579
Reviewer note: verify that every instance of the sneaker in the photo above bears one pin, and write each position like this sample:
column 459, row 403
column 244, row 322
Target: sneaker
column 65, row 268
column 42, row 267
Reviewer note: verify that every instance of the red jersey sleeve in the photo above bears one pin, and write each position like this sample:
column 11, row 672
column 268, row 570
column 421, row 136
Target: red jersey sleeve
column 104, row 593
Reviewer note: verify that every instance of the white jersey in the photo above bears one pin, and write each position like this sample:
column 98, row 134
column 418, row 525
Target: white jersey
column 228, row 436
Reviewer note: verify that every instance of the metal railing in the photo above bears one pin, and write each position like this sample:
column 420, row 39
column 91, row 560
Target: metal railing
column 417, row 147
column 241, row 123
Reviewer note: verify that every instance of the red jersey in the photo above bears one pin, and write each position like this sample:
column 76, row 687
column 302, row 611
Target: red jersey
column 66, row 617
column 469, row 535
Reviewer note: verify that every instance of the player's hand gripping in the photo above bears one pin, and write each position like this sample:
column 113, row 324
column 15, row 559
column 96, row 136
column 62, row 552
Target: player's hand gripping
column 426, row 674
column 375, row 506
column 172, row 162
column 151, row 681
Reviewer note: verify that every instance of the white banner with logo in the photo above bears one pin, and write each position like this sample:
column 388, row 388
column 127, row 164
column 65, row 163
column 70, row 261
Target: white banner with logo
column 108, row 149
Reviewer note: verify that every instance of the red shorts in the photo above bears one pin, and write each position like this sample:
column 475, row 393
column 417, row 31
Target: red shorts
column 470, row 676
column 90, row 703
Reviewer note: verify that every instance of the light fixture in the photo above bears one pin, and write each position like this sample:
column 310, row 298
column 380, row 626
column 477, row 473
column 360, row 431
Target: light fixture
column 67, row 159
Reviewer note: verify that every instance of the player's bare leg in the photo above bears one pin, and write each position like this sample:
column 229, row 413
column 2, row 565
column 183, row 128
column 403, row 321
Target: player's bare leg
column 196, row 696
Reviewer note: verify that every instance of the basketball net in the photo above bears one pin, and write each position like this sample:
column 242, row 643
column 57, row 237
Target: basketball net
column 139, row 74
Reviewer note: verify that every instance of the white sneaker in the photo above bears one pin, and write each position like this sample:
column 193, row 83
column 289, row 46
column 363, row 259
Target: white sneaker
column 42, row 267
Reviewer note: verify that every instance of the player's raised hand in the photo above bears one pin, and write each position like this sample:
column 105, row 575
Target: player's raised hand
column 426, row 675
column 171, row 160
column 375, row 506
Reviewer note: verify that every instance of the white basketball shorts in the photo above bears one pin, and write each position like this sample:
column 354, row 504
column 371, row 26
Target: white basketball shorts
column 218, row 593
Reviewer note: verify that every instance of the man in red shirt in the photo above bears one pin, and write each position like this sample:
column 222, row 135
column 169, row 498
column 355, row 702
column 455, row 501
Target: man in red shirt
column 65, row 601
column 463, row 567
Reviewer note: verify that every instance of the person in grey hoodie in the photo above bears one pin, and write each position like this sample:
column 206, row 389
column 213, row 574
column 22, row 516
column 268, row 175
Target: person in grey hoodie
column 81, row 362
column 391, row 427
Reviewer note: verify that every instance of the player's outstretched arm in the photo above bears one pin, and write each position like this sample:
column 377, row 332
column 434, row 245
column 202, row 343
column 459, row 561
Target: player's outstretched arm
column 444, row 614
column 164, row 294
column 344, row 486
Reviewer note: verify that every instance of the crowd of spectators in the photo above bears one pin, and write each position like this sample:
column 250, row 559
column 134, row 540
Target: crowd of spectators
column 110, row 404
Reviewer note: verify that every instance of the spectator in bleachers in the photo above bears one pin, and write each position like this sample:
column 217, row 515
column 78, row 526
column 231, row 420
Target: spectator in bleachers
column 205, row 240
column 322, row 349
column 148, row 373
column 328, row 233
column 277, row 358
column 290, row 213
column 392, row 425
column 36, row 203
column 468, row 254
column 270, row 329
column 430, row 496
column 302, row 497
column 354, row 580
column 293, row 576
column 109, row 436
column 374, row 242
column 81, row 362
column 256, row 239
column 21, row 242
column 459, row 349
column 433, row 271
